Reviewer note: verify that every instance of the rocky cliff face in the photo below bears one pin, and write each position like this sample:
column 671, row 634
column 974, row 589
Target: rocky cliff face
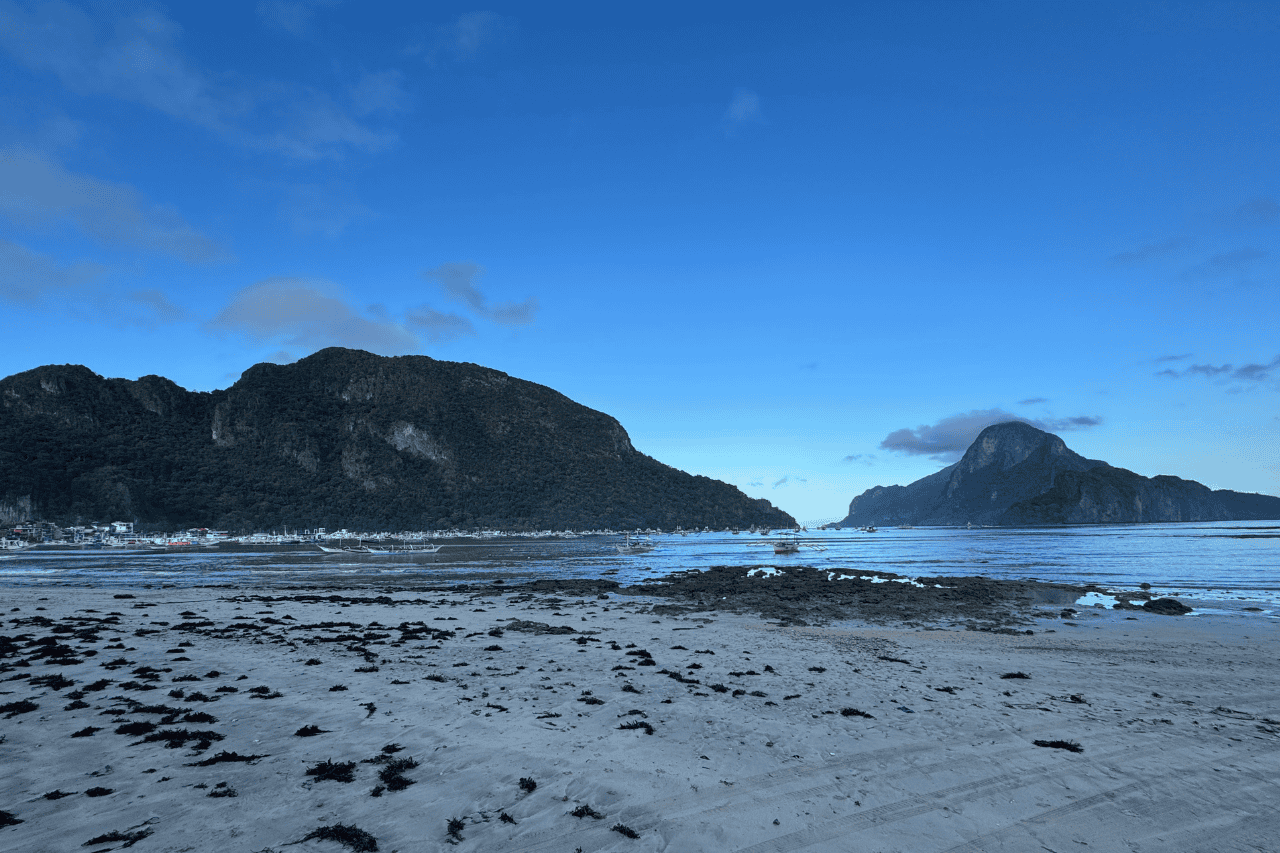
column 1015, row 474
column 342, row 438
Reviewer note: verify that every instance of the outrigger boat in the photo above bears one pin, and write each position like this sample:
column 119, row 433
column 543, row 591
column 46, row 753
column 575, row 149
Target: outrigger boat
column 426, row 548
column 789, row 543
column 636, row 547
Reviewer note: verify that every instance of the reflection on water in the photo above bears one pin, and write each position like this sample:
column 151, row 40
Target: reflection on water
column 1205, row 561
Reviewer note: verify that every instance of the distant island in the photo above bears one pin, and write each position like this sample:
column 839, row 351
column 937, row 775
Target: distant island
column 342, row 438
column 1016, row 475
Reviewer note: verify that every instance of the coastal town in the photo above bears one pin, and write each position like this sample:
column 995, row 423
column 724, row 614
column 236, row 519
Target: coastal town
column 121, row 534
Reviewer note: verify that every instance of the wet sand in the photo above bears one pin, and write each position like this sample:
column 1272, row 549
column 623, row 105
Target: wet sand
column 708, row 714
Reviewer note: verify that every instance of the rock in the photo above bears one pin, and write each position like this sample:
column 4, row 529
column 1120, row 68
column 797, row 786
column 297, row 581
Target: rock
column 1166, row 607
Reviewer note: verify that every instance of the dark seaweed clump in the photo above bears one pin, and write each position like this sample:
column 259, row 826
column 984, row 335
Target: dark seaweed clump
column 339, row 771
column 1015, row 675
column 623, row 829
column 9, row 818
column 224, row 757
column 637, row 724
column 585, row 810
column 354, row 837
column 456, row 825
column 129, row 838
column 528, row 785
column 392, row 774
column 854, row 712
column 1070, row 746
column 310, row 731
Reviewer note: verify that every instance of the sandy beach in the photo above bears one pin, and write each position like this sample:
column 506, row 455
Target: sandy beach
column 545, row 718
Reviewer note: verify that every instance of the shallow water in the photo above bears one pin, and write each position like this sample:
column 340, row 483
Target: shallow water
column 1223, row 565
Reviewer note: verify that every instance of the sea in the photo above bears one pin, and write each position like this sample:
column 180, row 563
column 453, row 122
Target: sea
column 1230, row 568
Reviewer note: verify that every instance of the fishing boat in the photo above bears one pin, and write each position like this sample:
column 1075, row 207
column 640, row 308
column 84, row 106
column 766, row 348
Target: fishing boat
column 634, row 546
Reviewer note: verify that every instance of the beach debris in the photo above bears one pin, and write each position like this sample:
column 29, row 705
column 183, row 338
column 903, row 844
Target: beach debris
column 1068, row 745
column 13, row 709
column 9, row 819
column 98, row 791
column 585, row 810
column 528, row 785
column 455, row 826
column 310, row 731
column 351, row 836
column 637, row 724
column 1015, row 675
column 623, row 829
column 225, row 757
column 392, row 773
column 129, row 838
column 333, row 771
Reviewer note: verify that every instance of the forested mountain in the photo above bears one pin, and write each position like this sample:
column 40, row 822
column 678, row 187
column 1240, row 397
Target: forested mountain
column 1015, row 474
column 341, row 438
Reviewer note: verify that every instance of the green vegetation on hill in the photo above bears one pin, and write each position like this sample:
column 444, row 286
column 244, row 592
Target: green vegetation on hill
column 342, row 438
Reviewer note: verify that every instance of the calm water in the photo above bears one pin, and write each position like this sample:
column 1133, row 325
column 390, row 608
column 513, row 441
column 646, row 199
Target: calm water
column 1224, row 565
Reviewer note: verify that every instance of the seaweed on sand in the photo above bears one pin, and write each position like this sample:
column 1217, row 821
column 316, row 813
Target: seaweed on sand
column 623, row 829
column 9, row 818
column 854, row 712
column 354, row 837
column 334, row 771
column 310, row 731
column 224, row 757
column 1070, row 746
column 585, row 810
column 456, row 825
column 528, row 785
column 1015, row 675
column 13, row 709
column 392, row 773
column 637, row 724
column 175, row 738
column 129, row 838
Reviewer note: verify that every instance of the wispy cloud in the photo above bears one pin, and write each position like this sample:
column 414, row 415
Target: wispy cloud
column 788, row 479
column 744, row 108
column 379, row 92
column 465, row 37
column 458, row 281
column 308, row 315
column 1253, row 372
column 324, row 210
column 136, row 58
column 1225, row 264
column 1149, row 252
column 439, row 327
column 36, row 191
column 158, row 309
column 1033, row 401
column 1255, row 213
column 947, row 440
column 862, row 458
column 292, row 16
column 1167, row 359
column 28, row 278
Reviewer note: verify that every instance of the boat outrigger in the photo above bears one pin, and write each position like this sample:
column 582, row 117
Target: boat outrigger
column 790, row 543
column 634, row 547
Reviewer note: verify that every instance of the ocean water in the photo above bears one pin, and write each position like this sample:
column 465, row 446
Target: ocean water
column 1222, row 566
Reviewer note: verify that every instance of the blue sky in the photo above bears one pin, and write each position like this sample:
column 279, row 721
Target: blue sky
column 805, row 248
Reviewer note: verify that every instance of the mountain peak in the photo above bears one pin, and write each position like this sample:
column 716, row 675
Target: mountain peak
column 1016, row 474
column 1005, row 445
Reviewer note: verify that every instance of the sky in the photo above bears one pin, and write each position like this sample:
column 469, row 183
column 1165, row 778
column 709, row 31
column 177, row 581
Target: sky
column 804, row 248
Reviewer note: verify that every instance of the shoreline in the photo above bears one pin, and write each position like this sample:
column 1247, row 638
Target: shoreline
column 856, row 733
